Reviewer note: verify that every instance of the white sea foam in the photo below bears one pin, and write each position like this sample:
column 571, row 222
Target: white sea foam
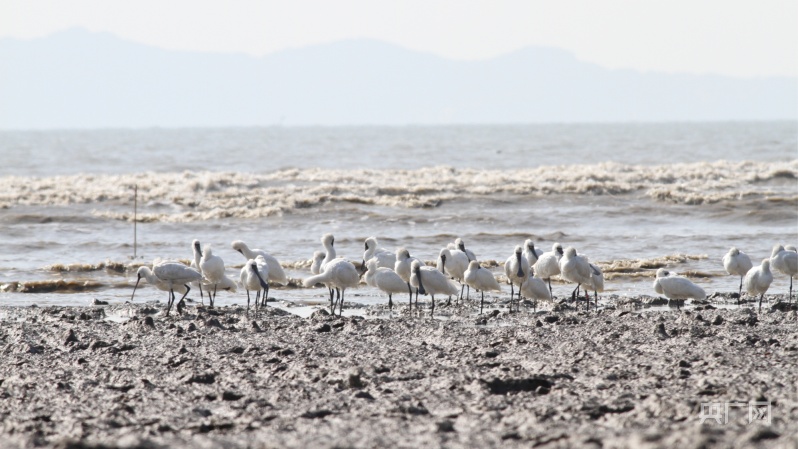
column 190, row 196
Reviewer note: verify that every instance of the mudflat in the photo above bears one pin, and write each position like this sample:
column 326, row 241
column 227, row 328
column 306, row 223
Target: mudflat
column 70, row 377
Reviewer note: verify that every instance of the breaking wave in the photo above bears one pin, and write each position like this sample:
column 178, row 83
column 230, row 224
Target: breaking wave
column 192, row 196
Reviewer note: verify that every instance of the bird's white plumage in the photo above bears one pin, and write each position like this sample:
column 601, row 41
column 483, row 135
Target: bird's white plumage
column 433, row 281
column 548, row 263
column 403, row 263
column 175, row 273
column 575, row 268
column 383, row 278
column 758, row 279
column 596, row 279
column 453, row 262
column 338, row 273
column 737, row 262
column 249, row 280
column 212, row 266
column 535, row 288
column 676, row 287
column 784, row 261
column 384, row 257
column 315, row 262
column 480, row 278
column 153, row 280
column 531, row 253
column 517, row 268
column 460, row 245
column 276, row 272
column 328, row 241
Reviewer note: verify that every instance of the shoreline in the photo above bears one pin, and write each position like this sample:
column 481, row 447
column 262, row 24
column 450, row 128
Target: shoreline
column 611, row 378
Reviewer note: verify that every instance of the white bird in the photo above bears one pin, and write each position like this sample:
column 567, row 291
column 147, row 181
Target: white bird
column 338, row 273
column 517, row 270
column 384, row 257
column 197, row 250
column 454, row 263
column 535, row 288
column 481, row 279
column 212, row 270
column 174, row 275
column 429, row 280
column 315, row 262
column 758, row 280
column 791, row 248
column 402, row 267
column 276, row 273
column 676, row 287
column 786, row 261
column 459, row 244
column 596, row 281
column 384, row 279
column 575, row 268
column 254, row 276
column 328, row 241
column 737, row 263
column 530, row 253
column 548, row 264
column 152, row 279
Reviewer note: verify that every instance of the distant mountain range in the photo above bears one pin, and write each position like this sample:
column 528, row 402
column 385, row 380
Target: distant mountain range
column 78, row 79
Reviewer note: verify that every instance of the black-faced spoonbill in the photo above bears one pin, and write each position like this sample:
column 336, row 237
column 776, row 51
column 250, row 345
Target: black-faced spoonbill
column 517, row 270
column 402, row 267
column 530, row 252
column 212, row 270
column 548, row 264
column 152, row 279
column 676, row 287
column 384, row 279
column 384, row 257
column 338, row 273
column 454, row 263
column 276, row 273
column 173, row 275
column 785, row 261
column 535, row 288
column 429, row 280
column 253, row 277
column 482, row 280
column 575, row 268
column 196, row 248
column 737, row 263
column 758, row 280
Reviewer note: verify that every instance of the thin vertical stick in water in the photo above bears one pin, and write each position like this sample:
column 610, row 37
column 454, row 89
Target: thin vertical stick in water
column 135, row 212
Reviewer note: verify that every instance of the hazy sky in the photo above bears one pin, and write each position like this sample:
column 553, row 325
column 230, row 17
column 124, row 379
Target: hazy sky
column 732, row 37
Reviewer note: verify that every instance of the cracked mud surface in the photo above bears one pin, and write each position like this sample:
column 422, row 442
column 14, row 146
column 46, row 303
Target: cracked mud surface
column 612, row 378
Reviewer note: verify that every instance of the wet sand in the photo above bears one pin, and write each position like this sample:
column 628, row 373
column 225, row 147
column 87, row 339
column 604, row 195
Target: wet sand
column 618, row 377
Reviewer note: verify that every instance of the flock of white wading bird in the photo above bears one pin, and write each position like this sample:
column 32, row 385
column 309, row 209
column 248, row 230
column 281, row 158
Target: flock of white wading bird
column 528, row 269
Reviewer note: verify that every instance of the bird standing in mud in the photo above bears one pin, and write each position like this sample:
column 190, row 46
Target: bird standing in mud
column 454, row 263
column 575, row 268
column 212, row 267
column 517, row 270
column 758, row 280
column 785, row 261
column 430, row 281
column 482, row 280
column 339, row 274
column 402, row 267
column 169, row 276
column 384, row 279
column 548, row 264
column 276, row 273
column 253, row 277
column 737, row 263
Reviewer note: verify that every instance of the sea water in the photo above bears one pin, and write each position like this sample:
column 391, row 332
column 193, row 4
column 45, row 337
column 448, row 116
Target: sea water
column 631, row 197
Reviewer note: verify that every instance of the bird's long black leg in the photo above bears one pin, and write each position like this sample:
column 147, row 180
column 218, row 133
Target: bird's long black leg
column 248, row 302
